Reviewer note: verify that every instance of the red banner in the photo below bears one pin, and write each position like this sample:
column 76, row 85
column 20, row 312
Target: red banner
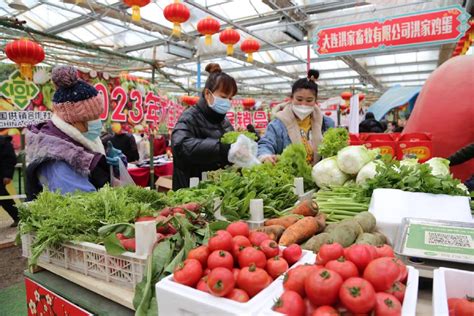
column 437, row 26
column 259, row 119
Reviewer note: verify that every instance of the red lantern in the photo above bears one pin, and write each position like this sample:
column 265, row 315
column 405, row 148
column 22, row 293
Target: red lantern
column 328, row 113
column 361, row 96
column 346, row 95
column 208, row 27
column 189, row 100
column 229, row 37
column 25, row 54
column 248, row 103
column 343, row 107
column 177, row 13
column 250, row 46
column 136, row 5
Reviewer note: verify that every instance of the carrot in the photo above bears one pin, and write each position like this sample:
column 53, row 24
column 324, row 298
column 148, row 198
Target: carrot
column 321, row 219
column 285, row 221
column 300, row 231
column 306, row 208
column 273, row 231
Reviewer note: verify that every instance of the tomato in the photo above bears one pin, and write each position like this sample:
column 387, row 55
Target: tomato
column 309, row 306
column 384, row 251
column 276, row 266
column 238, row 295
column 357, row 295
column 382, row 273
column 329, row 252
column 290, row 303
column 220, row 258
column 322, row 287
column 256, row 238
column 220, row 281
column 241, row 241
column 398, row 290
column 188, row 272
column 252, row 280
column 222, row 240
column 465, row 307
column 346, row 269
column 145, row 219
column 403, row 270
column 387, row 305
column 325, row 310
column 250, row 256
column 270, row 248
column 201, row 254
column 202, row 285
column 236, row 249
column 294, row 279
column 360, row 255
column 120, row 236
column 207, row 271
column 452, row 302
column 292, row 253
column 129, row 244
column 238, row 229
column 236, row 273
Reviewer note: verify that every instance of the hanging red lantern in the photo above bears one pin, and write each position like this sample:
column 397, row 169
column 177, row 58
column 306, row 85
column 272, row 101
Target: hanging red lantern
column 328, row 113
column 177, row 13
column 250, row 46
column 346, row 95
column 361, row 96
column 248, row 103
column 208, row 26
column 343, row 107
column 25, row 54
column 189, row 100
column 229, row 37
column 136, row 5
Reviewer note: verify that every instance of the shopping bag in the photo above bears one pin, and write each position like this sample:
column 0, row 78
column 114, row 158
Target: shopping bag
column 243, row 153
column 123, row 178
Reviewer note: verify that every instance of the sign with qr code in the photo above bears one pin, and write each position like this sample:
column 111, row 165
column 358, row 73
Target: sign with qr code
column 440, row 242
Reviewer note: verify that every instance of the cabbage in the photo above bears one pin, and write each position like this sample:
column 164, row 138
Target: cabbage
column 326, row 173
column 439, row 166
column 368, row 171
column 410, row 162
column 352, row 158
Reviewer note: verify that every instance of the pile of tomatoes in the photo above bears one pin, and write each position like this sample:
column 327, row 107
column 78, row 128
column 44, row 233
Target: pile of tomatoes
column 357, row 280
column 461, row 306
column 236, row 263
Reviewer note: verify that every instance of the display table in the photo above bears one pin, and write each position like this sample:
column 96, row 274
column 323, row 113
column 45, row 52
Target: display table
column 141, row 176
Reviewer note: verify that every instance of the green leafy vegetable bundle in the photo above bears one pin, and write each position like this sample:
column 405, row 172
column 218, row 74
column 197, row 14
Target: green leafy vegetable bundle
column 231, row 137
column 333, row 140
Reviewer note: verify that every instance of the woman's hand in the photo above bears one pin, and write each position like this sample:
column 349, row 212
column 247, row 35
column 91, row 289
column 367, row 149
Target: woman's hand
column 268, row 158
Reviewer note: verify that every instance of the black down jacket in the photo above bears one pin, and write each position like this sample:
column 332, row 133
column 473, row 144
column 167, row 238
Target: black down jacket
column 196, row 143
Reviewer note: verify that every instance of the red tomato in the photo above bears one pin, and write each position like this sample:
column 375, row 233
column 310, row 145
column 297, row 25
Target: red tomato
column 290, row 303
column 188, row 272
column 465, row 307
column 344, row 268
column 382, row 273
column 236, row 273
column 325, row 310
column 384, row 251
column 207, row 271
column 270, row 248
column 241, row 241
column 357, row 295
column 238, row 295
column 329, row 252
column 201, row 254
column 250, row 256
column 403, row 270
column 221, row 241
column 120, row 236
column 398, row 290
column 276, row 266
column 292, row 253
column 360, row 255
column 452, row 302
column 294, row 279
column 238, row 229
column 236, row 249
column 256, row 238
column 129, row 244
column 387, row 305
column 252, row 280
column 322, row 287
column 220, row 258
column 309, row 306
column 202, row 285
column 220, row 281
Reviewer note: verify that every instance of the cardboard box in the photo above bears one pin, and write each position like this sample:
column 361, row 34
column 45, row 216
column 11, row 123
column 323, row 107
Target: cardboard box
column 385, row 142
column 355, row 140
column 416, row 144
column 164, row 183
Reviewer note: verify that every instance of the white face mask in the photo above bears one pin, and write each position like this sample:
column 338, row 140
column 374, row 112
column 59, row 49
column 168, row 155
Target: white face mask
column 302, row 111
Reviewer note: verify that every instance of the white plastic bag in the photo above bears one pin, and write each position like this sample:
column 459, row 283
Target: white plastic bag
column 124, row 177
column 243, row 153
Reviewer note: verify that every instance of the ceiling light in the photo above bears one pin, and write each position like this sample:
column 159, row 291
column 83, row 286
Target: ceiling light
column 18, row 5
column 179, row 50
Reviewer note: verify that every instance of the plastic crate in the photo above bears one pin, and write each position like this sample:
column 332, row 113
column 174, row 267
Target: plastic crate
column 177, row 299
column 92, row 260
column 408, row 307
column 450, row 283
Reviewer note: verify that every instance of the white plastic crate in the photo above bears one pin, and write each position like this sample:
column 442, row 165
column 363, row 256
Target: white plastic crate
column 177, row 299
column 450, row 283
column 409, row 302
column 92, row 260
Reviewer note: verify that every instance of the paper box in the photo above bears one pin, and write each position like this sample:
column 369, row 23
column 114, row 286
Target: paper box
column 384, row 142
column 416, row 144
column 164, row 183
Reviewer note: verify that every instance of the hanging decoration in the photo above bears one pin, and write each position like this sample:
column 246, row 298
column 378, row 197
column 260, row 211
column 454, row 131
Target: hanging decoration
column 208, row 26
column 346, row 95
column 465, row 42
column 361, row 97
column 229, row 37
column 328, row 113
column 250, row 46
column 248, row 103
column 25, row 54
column 136, row 5
column 189, row 100
column 177, row 13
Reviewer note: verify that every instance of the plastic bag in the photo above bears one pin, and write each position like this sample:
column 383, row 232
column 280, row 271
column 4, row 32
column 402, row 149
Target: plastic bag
column 243, row 153
column 124, row 177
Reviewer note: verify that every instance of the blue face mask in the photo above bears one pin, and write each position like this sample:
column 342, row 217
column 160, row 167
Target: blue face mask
column 94, row 128
column 220, row 105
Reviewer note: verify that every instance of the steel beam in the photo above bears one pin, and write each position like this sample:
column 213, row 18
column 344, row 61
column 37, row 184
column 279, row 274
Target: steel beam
column 356, row 66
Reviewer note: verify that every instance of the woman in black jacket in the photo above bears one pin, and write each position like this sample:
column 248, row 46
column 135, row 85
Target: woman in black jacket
column 7, row 168
column 195, row 140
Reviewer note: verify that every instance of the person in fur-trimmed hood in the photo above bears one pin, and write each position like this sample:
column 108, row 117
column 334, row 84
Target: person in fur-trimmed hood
column 66, row 153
